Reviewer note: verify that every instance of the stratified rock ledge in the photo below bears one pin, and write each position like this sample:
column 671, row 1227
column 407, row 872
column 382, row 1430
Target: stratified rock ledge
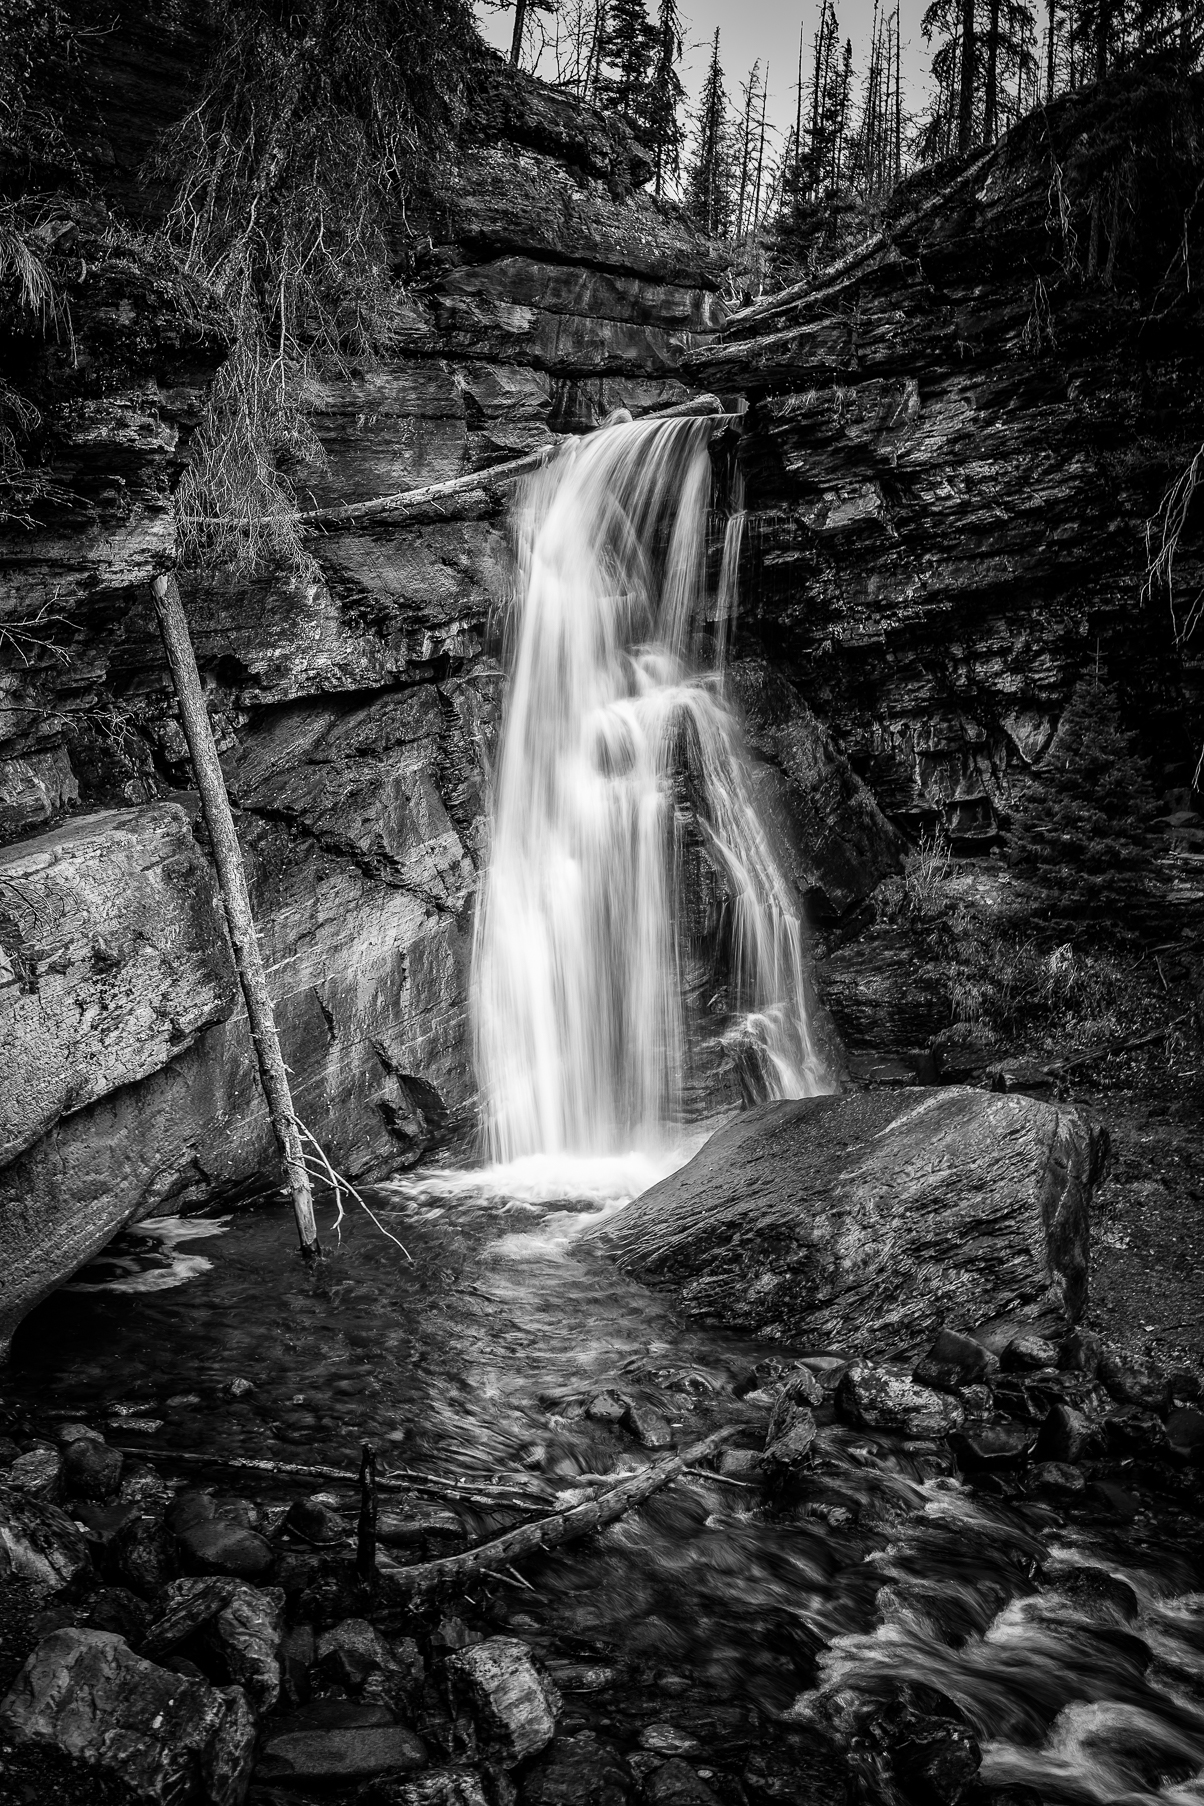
column 868, row 1220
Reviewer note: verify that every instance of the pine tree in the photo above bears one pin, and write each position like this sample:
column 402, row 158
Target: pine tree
column 629, row 50
column 709, row 197
column 1081, row 837
column 665, row 96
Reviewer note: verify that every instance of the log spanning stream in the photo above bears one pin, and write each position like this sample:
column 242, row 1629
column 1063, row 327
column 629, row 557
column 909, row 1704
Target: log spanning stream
column 762, row 1635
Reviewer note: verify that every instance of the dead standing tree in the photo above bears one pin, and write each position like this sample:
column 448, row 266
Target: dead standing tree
column 232, row 882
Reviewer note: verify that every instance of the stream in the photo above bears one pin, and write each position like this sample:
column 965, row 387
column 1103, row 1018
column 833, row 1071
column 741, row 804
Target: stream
column 1070, row 1640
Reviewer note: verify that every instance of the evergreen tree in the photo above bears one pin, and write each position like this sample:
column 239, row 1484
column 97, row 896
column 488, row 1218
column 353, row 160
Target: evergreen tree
column 709, row 197
column 629, row 52
column 1082, row 835
column 665, row 96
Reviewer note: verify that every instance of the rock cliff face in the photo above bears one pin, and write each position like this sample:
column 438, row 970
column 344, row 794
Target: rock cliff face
column 356, row 710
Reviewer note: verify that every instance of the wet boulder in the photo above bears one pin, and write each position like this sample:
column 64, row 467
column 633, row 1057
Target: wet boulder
column 875, row 1399
column 867, row 1220
column 315, row 1522
column 513, row 1706
column 791, row 1446
column 577, row 1771
column 453, row 1785
column 1057, row 1477
column 39, row 1543
column 91, row 1469
column 1027, row 1353
column 1185, row 1433
column 38, row 1473
column 215, row 1546
column 1081, row 1352
column 648, row 1427
column 118, row 1610
column 801, row 1393
column 1064, row 1436
column 332, row 1748
column 143, row 1556
column 1131, row 1431
column 675, row 1783
column 993, row 1445
column 1131, row 1379
column 955, row 1361
column 353, row 1650
column 87, row 1695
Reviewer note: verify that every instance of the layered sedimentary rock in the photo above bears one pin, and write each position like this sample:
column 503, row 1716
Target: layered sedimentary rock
column 866, row 1221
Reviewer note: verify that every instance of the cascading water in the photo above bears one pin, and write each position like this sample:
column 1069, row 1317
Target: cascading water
column 583, row 1042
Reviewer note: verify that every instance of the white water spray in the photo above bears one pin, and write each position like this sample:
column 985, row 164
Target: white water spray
column 583, row 1042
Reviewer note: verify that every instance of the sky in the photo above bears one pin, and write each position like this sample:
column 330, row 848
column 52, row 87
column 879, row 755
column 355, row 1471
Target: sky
column 769, row 29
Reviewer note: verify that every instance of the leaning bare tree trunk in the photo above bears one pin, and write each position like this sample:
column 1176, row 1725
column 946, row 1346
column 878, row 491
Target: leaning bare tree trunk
column 194, row 718
column 516, row 42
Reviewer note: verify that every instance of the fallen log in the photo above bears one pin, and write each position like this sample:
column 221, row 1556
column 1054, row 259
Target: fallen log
column 232, row 883
column 1124, row 1044
column 551, row 1532
column 807, row 290
column 475, row 486
column 481, row 1494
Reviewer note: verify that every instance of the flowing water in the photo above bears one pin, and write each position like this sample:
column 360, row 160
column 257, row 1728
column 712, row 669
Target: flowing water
column 616, row 742
column 716, row 1620
column 735, row 1620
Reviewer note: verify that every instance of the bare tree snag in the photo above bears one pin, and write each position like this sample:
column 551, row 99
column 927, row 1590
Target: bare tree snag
column 227, row 855
column 561, row 1527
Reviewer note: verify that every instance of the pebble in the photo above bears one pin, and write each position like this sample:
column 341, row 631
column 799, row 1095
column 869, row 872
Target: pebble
column 667, row 1740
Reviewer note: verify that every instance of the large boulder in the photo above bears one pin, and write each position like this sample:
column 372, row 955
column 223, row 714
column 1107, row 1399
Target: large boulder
column 170, row 1739
column 866, row 1221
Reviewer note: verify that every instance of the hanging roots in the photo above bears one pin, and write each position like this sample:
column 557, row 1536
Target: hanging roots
column 1167, row 527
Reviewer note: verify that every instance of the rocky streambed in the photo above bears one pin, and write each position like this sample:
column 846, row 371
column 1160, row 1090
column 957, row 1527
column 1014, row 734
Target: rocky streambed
column 971, row 1574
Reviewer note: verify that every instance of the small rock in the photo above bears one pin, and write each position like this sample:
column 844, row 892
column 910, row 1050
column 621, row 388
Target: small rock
column 667, row 1740
column 1026, row 1352
column 800, row 1389
column 298, row 1650
column 1132, row 1380
column 1185, row 1433
column 1081, row 1352
column 1113, row 1499
column 793, row 1445
column 143, row 1556
column 1063, row 1436
column 993, row 1445
column 39, row 1543
column 874, row 1399
column 245, row 1636
column 675, row 1783
column 188, row 1605
column 39, row 1473
column 85, row 1693
column 91, row 1469
column 189, row 1506
column 977, row 1401
column 450, row 1634
column 351, row 1651
column 647, row 1426
column 607, row 1407
column 513, row 1707
column 238, row 1388
column 103, row 1523
column 75, row 1432
column 1096, row 1594
column 118, row 1610
column 453, row 1785
column 1058, row 1476
column 955, row 1361
column 142, row 1485
column 216, row 1547
column 314, row 1522
column 1131, row 1431
column 742, row 1464
column 337, row 1757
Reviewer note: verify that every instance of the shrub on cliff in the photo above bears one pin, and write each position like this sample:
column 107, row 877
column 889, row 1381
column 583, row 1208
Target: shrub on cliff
column 288, row 174
column 1082, row 837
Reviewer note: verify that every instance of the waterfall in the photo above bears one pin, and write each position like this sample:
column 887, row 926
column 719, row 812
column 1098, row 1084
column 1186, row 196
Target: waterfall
column 615, row 739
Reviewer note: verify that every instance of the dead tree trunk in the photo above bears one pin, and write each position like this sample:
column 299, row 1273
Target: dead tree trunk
column 227, row 855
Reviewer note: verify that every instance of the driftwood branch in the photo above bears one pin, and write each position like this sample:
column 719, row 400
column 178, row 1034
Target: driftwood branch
column 479, row 1493
column 809, row 290
column 472, row 489
column 550, row 1532
column 232, row 881
column 1126, row 1044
